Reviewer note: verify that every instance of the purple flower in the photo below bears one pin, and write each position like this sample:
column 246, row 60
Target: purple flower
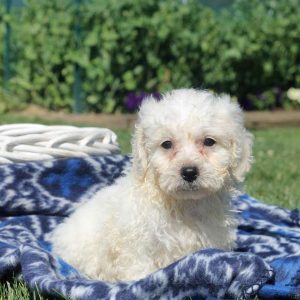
column 134, row 100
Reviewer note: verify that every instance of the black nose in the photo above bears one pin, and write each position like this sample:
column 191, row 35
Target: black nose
column 189, row 174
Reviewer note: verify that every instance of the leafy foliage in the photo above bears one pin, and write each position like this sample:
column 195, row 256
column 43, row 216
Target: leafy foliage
column 251, row 51
column 43, row 48
column 259, row 52
column 1, row 39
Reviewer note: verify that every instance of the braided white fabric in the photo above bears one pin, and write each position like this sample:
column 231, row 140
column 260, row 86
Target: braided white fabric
column 29, row 142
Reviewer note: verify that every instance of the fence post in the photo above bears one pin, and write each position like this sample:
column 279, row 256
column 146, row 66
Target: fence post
column 77, row 88
column 6, row 53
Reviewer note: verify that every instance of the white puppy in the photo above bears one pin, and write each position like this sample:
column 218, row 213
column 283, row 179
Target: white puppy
column 190, row 154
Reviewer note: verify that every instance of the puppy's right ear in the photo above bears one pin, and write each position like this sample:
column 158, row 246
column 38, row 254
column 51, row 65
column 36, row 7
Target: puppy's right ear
column 244, row 159
column 140, row 158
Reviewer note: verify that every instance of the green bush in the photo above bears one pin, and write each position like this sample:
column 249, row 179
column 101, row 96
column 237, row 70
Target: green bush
column 251, row 51
column 258, row 52
column 126, row 46
column 1, row 39
column 45, row 47
column 142, row 45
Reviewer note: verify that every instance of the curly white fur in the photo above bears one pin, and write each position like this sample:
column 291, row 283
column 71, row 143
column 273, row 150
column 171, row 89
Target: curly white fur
column 153, row 216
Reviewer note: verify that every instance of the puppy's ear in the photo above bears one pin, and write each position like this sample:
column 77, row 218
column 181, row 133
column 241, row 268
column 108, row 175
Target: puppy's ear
column 140, row 160
column 243, row 156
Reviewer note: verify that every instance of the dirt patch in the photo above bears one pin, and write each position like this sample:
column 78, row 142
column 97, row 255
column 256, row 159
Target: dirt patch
column 257, row 119
column 104, row 120
column 268, row 119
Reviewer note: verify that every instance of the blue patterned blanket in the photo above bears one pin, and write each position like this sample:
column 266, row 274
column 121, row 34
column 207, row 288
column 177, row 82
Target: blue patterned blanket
column 35, row 197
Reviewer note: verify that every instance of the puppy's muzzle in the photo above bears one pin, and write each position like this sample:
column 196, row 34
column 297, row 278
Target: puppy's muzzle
column 189, row 174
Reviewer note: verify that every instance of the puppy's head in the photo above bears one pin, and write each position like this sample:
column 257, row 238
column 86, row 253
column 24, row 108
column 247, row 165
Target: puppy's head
column 191, row 144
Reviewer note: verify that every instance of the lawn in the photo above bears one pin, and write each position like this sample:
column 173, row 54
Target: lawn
column 17, row 291
column 275, row 175
column 274, row 178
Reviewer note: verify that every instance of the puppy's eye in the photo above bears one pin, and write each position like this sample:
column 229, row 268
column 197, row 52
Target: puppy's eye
column 167, row 144
column 209, row 142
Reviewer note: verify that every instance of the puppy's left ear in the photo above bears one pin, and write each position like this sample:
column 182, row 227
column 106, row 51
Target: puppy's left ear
column 243, row 156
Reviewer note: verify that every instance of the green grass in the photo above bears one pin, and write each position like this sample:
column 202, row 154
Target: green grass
column 12, row 118
column 275, row 174
column 18, row 291
column 274, row 178
column 124, row 138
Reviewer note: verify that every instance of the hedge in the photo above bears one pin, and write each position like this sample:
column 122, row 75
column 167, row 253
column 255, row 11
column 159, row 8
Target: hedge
column 251, row 51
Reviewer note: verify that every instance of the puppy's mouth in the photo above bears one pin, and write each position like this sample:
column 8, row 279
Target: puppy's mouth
column 189, row 191
column 188, row 187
